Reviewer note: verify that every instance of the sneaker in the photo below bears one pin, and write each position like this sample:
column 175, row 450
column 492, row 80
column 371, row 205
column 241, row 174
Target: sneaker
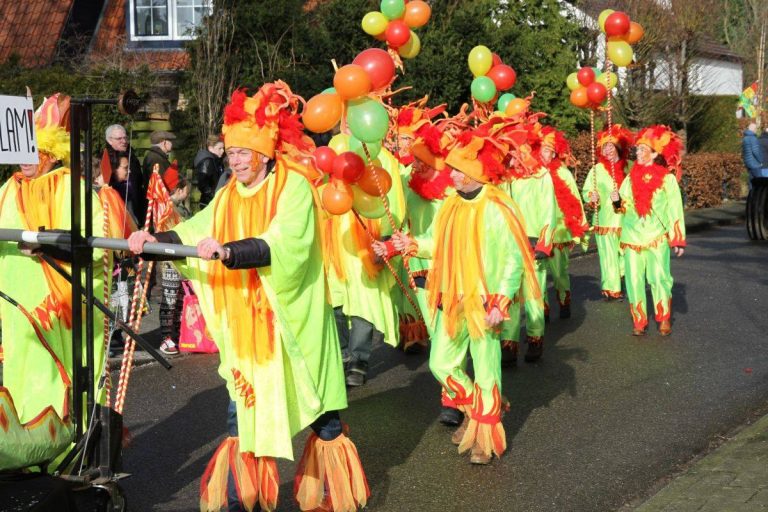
column 450, row 417
column 356, row 373
column 168, row 347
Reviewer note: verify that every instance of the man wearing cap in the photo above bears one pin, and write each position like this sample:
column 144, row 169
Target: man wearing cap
column 162, row 144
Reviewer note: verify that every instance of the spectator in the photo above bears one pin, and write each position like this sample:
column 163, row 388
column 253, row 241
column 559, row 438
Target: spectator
column 750, row 152
column 117, row 147
column 763, row 139
column 224, row 178
column 162, row 144
column 209, row 168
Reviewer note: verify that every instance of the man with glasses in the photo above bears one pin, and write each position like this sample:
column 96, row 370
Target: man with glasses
column 118, row 146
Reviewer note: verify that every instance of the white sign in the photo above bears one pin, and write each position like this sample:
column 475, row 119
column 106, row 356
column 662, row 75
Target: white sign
column 17, row 131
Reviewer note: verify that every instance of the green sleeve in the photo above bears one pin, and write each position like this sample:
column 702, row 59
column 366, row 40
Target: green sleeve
column 675, row 214
column 588, row 185
column 503, row 258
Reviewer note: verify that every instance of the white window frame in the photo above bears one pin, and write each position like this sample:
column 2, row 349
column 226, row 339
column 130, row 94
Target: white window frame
column 172, row 11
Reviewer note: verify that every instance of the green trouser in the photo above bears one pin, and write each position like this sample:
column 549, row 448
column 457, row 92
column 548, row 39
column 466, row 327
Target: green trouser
column 650, row 264
column 448, row 363
column 611, row 262
column 534, row 311
column 558, row 265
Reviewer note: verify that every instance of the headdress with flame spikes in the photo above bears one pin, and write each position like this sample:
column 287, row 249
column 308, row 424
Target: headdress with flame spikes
column 662, row 140
column 434, row 140
column 480, row 154
column 407, row 120
column 619, row 136
column 52, row 127
column 266, row 122
column 554, row 139
column 522, row 133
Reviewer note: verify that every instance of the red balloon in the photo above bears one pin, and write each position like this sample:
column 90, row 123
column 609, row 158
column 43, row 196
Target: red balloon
column 324, row 157
column 379, row 66
column 596, row 92
column 617, row 24
column 585, row 75
column 348, row 167
column 397, row 33
column 496, row 60
column 503, row 76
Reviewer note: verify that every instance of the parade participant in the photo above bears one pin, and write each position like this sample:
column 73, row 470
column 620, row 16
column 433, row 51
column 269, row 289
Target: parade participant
column 652, row 222
column 571, row 224
column 480, row 258
column 600, row 192
column 265, row 306
column 37, row 335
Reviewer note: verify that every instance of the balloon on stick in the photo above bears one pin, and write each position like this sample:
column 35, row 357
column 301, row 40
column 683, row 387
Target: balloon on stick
column 572, row 81
column 322, row 112
column 412, row 48
column 483, row 89
column 374, row 177
column 348, row 167
column 392, row 9
column 417, row 13
column 367, row 120
column 603, row 15
column 337, row 197
column 620, row 53
column 324, row 157
column 480, row 60
column 374, row 23
column 585, row 75
column 397, row 33
column 352, row 81
column 503, row 76
column 379, row 66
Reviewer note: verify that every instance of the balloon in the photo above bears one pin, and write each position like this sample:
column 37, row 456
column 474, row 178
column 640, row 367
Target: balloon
column 392, row 9
column 348, row 167
column 370, row 207
column 603, row 15
column 368, row 183
column 397, row 33
column 496, row 60
column 367, row 120
column 636, row 32
column 337, row 197
column 329, row 90
column 339, row 143
column 357, row 147
column 579, row 97
column 351, row 81
column 620, row 53
column 483, row 89
column 417, row 13
column 597, row 71
column 322, row 112
column 480, row 60
column 324, row 159
column 504, row 100
column 412, row 48
column 572, row 82
column 608, row 79
column 516, row 106
column 374, row 23
column 616, row 24
column 379, row 66
column 596, row 92
column 585, row 75
column 503, row 76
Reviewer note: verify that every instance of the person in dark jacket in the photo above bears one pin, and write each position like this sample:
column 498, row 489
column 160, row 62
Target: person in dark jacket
column 750, row 152
column 162, row 144
column 118, row 147
column 209, row 168
column 763, row 140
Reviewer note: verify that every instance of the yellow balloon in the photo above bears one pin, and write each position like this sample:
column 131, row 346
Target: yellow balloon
column 339, row 143
column 374, row 23
column 608, row 79
column 412, row 48
column 602, row 17
column 620, row 53
column 480, row 60
column 370, row 207
column 572, row 82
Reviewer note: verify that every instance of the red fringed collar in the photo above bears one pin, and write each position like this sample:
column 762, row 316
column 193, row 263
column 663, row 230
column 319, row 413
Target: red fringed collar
column 568, row 203
column 406, row 159
column 433, row 188
column 619, row 170
column 646, row 180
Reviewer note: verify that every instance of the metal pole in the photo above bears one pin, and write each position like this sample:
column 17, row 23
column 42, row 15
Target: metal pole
column 77, row 310
column 88, row 265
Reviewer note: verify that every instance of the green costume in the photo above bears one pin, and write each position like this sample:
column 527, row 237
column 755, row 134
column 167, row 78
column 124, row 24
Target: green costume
column 652, row 223
column 607, row 224
column 287, row 371
column 535, row 198
column 36, row 398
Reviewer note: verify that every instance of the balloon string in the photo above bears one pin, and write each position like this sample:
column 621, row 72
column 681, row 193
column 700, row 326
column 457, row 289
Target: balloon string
column 609, row 113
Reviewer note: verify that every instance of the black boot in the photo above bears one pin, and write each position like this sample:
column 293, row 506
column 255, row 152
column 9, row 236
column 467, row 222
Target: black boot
column 535, row 349
column 450, row 417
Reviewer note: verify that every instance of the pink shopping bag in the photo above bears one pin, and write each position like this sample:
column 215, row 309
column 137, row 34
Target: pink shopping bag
column 193, row 336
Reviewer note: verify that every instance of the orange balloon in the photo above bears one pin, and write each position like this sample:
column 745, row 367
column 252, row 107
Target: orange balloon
column 351, row 81
column 322, row 112
column 516, row 106
column 636, row 32
column 417, row 13
column 337, row 197
column 368, row 181
column 579, row 97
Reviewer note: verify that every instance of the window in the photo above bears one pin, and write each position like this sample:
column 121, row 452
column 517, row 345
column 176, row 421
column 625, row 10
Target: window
column 166, row 20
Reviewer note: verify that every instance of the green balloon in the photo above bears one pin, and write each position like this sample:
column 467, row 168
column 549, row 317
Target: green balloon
column 597, row 71
column 368, row 120
column 392, row 9
column 330, row 90
column 356, row 146
column 483, row 89
column 504, row 100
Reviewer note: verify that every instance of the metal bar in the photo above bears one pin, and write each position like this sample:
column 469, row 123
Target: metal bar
column 77, row 325
column 88, row 267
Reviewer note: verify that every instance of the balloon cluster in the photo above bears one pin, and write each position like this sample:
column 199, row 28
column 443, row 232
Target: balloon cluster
column 491, row 76
column 621, row 32
column 589, row 86
column 394, row 22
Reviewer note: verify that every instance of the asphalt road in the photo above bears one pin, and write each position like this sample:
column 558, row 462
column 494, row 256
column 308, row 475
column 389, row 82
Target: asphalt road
column 593, row 426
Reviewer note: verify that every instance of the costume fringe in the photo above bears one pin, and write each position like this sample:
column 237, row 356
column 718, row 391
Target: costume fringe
column 256, row 479
column 413, row 331
column 490, row 436
column 330, row 476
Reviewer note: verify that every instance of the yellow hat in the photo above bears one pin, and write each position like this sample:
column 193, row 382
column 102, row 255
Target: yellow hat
column 479, row 156
column 52, row 127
